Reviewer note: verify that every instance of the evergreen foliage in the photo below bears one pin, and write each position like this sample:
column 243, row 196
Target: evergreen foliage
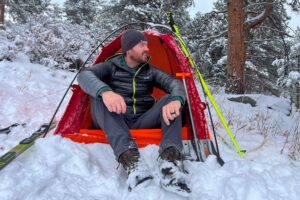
column 81, row 12
column 209, row 52
column 116, row 13
column 289, row 71
column 23, row 11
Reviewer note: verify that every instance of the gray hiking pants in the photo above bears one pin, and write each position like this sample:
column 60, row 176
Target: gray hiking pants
column 116, row 126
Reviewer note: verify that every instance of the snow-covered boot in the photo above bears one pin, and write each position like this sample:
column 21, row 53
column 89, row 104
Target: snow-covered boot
column 134, row 165
column 173, row 175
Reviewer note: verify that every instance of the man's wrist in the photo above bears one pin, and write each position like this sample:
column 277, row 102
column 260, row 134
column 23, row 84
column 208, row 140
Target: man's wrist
column 102, row 93
column 102, row 90
column 178, row 98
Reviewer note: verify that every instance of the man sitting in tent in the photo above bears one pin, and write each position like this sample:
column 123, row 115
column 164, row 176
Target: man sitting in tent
column 121, row 100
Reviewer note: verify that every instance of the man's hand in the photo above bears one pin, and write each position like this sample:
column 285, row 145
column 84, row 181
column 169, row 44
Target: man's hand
column 114, row 102
column 171, row 111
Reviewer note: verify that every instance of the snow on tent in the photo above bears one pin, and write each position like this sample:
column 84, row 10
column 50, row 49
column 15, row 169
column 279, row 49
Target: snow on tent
column 76, row 123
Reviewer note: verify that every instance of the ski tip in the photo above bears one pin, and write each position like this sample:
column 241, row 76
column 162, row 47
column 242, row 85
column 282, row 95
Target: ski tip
column 142, row 183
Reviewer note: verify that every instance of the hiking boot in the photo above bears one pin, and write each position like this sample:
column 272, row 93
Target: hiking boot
column 138, row 173
column 173, row 175
column 170, row 154
column 129, row 160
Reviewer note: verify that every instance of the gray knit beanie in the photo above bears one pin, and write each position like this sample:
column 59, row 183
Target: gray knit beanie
column 131, row 38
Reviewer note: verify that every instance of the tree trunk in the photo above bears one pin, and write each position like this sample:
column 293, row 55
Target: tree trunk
column 2, row 11
column 236, row 48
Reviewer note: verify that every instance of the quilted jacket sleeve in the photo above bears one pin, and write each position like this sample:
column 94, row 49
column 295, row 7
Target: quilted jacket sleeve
column 92, row 79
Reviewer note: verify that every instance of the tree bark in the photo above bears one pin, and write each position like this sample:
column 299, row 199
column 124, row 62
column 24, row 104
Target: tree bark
column 2, row 11
column 236, row 48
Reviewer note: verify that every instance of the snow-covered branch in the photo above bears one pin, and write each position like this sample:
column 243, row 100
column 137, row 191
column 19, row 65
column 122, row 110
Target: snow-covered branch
column 295, row 5
column 251, row 23
column 213, row 37
column 258, row 4
column 217, row 12
column 266, row 27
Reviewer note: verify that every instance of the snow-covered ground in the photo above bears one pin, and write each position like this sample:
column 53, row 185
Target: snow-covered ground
column 57, row 168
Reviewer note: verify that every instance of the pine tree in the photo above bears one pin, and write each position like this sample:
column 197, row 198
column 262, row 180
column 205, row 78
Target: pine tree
column 118, row 13
column 264, row 42
column 22, row 11
column 238, row 33
column 81, row 12
column 208, row 46
column 289, row 71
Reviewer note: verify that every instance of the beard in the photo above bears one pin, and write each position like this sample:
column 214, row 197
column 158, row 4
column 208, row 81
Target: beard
column 140, row 58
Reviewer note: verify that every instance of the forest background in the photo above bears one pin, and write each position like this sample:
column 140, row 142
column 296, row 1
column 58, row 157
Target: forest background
column 245, row 46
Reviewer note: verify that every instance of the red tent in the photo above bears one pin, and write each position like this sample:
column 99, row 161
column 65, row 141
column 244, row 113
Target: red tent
column 76, row 122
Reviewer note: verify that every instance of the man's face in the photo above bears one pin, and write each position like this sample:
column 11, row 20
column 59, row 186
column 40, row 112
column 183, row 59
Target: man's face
column 139, row 53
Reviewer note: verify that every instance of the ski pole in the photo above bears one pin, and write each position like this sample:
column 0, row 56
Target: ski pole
column 174, row 28
column 183, row 76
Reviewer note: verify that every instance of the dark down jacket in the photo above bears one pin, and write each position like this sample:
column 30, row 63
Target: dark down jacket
column 135, row 87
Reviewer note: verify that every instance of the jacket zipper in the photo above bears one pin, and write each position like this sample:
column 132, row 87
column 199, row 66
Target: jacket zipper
column 133, row 85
